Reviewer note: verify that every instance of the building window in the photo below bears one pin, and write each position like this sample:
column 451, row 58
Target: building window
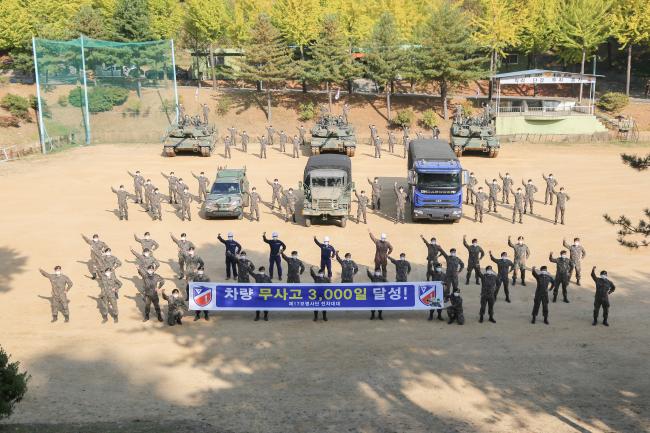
column 511, row 59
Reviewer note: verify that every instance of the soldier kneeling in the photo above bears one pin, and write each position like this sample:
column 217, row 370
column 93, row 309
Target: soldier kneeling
column 455, row 310
column 175, row 307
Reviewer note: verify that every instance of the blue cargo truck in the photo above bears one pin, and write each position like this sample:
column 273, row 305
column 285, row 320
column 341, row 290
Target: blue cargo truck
column 436, row 181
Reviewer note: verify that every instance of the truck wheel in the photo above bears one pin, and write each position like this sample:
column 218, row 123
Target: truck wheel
column 458, row 151
column 170, row 152
column 343, row 222
column 307, row 222
column 494, row 153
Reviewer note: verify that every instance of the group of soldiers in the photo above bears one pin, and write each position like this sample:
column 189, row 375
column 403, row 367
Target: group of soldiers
column 239, row 267
column 266, row 140
column 392, row 140
column 523, row 197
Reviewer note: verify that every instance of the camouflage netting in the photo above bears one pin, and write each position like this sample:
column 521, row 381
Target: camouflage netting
column 93, row 91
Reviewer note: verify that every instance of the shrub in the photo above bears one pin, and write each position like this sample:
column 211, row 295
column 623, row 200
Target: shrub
column 16, row 105
column 4, row 80
column 306, row 111
column 99, row 98
column 9, row 121
column 63, row 101
column 613, row 102
column 429, row 119
column 224, row 104
column 404, row 118
column 133, row 107
column 13, row 384
column 33, row 102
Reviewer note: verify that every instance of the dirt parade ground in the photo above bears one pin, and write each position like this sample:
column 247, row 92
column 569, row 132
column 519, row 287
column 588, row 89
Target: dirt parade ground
column 402, row 374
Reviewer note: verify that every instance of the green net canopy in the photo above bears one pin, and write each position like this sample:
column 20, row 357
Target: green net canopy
column 93, row 91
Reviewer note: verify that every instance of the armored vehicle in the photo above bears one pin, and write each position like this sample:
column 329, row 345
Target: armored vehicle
column 474, row 133
column 327, row 188
column 229, row 194
column 332, row 134
column 189, row 135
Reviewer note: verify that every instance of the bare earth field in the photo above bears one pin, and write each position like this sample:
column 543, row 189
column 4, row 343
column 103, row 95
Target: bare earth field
column 404, row 374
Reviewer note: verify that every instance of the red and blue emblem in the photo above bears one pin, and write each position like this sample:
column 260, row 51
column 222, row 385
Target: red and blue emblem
column 202, row 296
column 428, row 296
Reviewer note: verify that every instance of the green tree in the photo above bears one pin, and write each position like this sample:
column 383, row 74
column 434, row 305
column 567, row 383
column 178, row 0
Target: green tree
column 631, row 26
column 449, row 55
column 267, row 59
column 385, row 57
column 240, row 17
column 15, row 26
column 13, row 384
column 497, row 24
column 131, row 21
column 298, row 21
column 538, row 24
column 582, row 26
column 166, row 18
column 90, row 22
column 331, row 61
column 204, row 25
column 355, row 19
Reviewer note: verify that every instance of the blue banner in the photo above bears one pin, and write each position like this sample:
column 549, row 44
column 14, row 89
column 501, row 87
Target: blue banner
column 336, row 296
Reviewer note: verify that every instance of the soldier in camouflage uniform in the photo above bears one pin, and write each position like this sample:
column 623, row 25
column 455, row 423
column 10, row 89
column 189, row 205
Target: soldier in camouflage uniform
column 576, row 254
column 481, row 197
column 604, row 288
column 301, row 132
column 563, row 265
column 518, row 207
column 400, row 204
column 455, row 310
column 204, row 182
column 550, row 188
column 138, row 185
column 521, row 254
column 183, row 247
column 271, row 133
column 494, row 193
column 245, row 139
column 488, row 290
column 233, row 135
column 109, row 286
column 97, row 248
column 504, row 266
column 180, row 188
column 201, row 277
column 405, row 143
column 545, row 283
column 172, row 180
column 186, row 200
column 61, row 285
column 123, row 207
column 226, row 148
column 435, row 273
column 290, row 200
column 529, row 199
column 376, row 193
column 254, row 204
column 192, row 264
column 244, row 266
column 109, row 261
column 295, row 267
column 296, row 147
column 206, row 113
column 560, row 207
column 148, row 192
column 348, row 268
column 507, row 188
column 454, row 266
column 346, row 113
column 392, row 141
column 476, row 253
column 376, row 141
column 151, row 284
column 362, row 204
column 156, row 208
column 471, row 183
column 283, row 141
column 277, row 193
column 147, row 243
column 176, row 306
column 402, row 268
column 376, row 277
column 263, row 143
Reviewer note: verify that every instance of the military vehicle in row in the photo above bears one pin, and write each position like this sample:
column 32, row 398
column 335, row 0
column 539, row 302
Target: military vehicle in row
column 190, row 134
column 229, row 194
column 333, row 134
column 327, row 188
column 474, row 133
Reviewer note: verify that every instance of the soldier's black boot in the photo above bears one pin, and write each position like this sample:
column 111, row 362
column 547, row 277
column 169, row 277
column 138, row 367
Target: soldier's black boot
column 55, row 318
column 507, row 299
column 440, row 315
column 104, row 319
column 523, row 276
column 605, row 315
column 451, row 320
column 324, row 316
column 115, row 319
column 146, row 317
column 595, row 322
column 514, row 280
column 257, row 316
column 546, row 320
column 380, row 317
column 66, row 318
column 430, row 315
column 179, row 321
column 491, row 319
column 372, row 315
column 266, row 316
column 566, row 300
column 533, row 321
column 480, row 319
column 160, row 318
column 315, row 316
column 197, row 316
column 578, row 281
column 206, row 315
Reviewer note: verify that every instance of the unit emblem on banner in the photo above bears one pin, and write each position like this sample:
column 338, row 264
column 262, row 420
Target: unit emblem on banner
column 428, row 296
column 202, row 296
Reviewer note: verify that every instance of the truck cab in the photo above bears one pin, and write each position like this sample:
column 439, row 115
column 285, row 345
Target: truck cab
column 436, row 180
column 228, row 195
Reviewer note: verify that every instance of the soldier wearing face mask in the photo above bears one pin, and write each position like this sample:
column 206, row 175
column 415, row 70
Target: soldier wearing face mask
column 176, row 306
column 290, row 199
column 455, row 309
column 494, row 193
column 183, row 247
column 551, row 182
column 604, row 288
column 506, row 189
column 277, row 193
column 109, row 286
column 504, row 266
column 560, row 207
column 376, row 194
column 295, row 267
column 521, row 254
column 156, row 208
column 471, row 183
column 138, row 184
column 97, row 248
column 144, row 261
column 261, row 277
column 122, row 206
column 201, row 277
column 109, row 261
column 383, row 249
column 529, row 198
column 433, row 252
column 436, row 274
column 402, row 268
column 454, row 266
column 488, row 289
column 476, row 253
column 480, row 197
column 146, row 242
column 319, row 278
column 348, row 268
column 151, row 284
column 376, row 277
column 276, row 246
column 255, row 200
column 192, row 264
column 327, row 253
column 576, row 254
column 518, row 208
column 234, row 247
column 244, row 266
column 561, row 274
column 545, row 283
column 61, row 285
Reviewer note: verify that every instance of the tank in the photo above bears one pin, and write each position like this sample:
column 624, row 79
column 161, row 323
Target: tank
column 189, row 135
column 333, row 134
column 474, row 133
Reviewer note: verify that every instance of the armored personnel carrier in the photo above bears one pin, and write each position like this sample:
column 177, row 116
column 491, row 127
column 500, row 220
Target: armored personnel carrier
column 474, row 133
column 333, row 134
column 189, row 135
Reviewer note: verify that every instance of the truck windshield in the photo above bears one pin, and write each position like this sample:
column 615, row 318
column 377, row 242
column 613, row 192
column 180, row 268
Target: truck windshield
column 327, row 181
column 224, row 188
column 438, row 180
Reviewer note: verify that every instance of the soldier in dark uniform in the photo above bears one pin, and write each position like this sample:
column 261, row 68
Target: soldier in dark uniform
column 201, row 277
column 295, row 267
column 319, row 278
column 604, row 288
column 545, row 283
column 435, row 273
column 576, row 254
column 275, row 247
column 563, row 265
column 61, row 284
column 261, row 278
column 376, row 277
column 521, row 254
column 402, row 268
column 175, row 307
column 504, row 266
column 455, row 310
column 433, row 252
column 327, row 253
column 151, row 284
column 244, row 266
column 454, row 266
column 234, row 247
column 476, row 253
column 488, row 288
column 348, row 268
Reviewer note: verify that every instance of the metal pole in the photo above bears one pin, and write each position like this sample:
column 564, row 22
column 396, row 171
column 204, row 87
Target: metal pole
column 41, row 127
column 86, row 111
column 175, row 88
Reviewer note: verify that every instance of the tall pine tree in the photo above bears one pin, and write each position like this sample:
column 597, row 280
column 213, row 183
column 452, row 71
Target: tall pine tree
column 131, row 21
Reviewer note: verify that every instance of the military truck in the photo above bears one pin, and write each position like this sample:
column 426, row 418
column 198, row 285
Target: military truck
column 189, row 135
column 474, row 133
column 327, row 188
column 332, row 134
column 229, row 194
